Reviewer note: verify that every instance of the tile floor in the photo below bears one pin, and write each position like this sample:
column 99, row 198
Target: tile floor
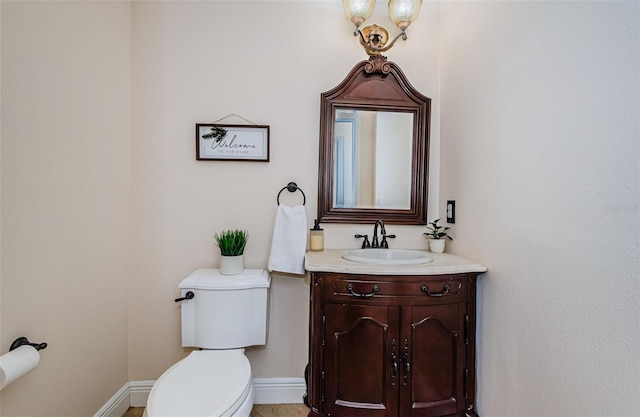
column 280, row 410
column 134, row 412
column 263, row 410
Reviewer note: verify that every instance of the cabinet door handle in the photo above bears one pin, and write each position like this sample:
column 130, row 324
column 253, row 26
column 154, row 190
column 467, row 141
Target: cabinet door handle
column 407, row 363
column 444, row 292
column 394, row 362
column 371, row 294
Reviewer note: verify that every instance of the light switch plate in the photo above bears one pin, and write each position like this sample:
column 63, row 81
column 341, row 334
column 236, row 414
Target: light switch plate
column 451, row 211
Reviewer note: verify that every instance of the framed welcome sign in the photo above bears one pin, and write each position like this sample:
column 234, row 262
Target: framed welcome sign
column 232, row 142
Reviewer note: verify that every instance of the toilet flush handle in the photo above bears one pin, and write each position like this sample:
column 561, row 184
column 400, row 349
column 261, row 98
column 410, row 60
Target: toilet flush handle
column 188, row 296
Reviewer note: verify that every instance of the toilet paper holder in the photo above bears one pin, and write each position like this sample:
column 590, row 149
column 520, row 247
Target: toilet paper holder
column 24, row 341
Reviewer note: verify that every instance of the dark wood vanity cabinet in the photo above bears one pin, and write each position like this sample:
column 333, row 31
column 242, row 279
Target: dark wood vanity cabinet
column 391, row 346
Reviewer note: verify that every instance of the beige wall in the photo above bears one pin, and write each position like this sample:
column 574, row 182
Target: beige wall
column 102, row 198
column 1, row 345
column 104, row 208
column 201, row 61
column 65, row 201
column 540, row 149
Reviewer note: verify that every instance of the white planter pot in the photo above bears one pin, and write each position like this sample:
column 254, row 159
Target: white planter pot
column 436, row 245
column 231, row 265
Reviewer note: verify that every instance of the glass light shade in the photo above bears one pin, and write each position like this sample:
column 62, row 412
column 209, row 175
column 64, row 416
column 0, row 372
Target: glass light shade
column 403, row 12
column 358, row 10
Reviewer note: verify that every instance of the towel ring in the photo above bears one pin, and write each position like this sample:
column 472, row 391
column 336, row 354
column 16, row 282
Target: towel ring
column 292, row 187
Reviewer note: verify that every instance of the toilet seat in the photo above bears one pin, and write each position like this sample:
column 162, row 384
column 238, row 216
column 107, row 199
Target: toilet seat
column 207, row 383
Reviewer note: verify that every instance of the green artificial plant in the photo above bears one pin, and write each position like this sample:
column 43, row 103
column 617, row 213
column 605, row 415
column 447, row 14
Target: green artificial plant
column 437, row 232
column 232, row 242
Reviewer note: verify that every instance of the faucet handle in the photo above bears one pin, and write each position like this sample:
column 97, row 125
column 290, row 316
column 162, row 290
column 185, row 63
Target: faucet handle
column 365, row 242
column 384, row 244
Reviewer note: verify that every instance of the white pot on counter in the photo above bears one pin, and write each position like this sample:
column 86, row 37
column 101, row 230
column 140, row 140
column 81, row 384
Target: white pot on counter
column 436, row 245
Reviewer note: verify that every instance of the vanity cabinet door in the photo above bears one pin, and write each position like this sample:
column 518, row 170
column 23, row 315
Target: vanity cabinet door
column 360, row 373
column 433, row 360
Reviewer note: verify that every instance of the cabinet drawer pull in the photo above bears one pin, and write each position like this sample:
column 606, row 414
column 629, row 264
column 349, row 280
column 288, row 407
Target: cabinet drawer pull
column 371, row 294
column 444, row 292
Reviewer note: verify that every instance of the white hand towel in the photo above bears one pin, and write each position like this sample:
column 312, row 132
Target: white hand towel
column 289, row 241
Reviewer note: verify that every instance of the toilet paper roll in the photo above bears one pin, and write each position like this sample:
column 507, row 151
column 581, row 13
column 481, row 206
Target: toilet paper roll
column 17, row 363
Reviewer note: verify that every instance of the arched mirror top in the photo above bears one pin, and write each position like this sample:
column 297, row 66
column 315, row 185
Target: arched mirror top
column 374, row 148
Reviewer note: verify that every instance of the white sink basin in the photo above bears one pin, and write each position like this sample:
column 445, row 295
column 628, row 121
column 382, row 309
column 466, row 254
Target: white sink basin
column 387, row 256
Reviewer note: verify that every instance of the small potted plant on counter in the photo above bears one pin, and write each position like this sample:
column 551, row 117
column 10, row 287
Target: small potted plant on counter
column 232, row 244
column 436, row 234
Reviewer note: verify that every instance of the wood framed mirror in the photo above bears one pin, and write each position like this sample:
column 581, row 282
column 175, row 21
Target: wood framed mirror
column 374, row 148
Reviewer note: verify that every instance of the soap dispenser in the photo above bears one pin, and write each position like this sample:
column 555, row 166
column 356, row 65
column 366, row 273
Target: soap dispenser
column 316, row 237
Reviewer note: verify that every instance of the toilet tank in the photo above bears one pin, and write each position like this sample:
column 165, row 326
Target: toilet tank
column 227, row 311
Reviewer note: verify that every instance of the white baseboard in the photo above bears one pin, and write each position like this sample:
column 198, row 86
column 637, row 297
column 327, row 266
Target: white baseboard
column 279, row 390
column 139, row 392
column 267, row 391
column 117, row 405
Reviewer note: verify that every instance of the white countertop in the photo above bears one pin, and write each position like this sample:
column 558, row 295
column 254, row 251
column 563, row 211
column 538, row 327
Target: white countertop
column 330, row 260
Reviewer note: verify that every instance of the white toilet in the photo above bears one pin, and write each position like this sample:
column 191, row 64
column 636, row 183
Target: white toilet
column 225, row 314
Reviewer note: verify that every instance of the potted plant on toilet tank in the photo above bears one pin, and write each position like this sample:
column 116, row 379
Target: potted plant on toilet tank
column 436, row 234
column 232, row 244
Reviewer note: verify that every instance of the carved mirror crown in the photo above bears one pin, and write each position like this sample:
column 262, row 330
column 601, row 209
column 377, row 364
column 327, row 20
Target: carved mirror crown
column 374, row 145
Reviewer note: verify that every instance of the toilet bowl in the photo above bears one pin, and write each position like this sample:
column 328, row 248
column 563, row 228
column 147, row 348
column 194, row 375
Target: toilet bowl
column 207, row 383
column 221, row 315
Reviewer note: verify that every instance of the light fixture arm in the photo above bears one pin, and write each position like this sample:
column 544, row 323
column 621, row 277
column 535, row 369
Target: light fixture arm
column 377, row 43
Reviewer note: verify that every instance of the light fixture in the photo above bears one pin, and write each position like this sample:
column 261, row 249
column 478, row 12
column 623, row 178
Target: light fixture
column 374, row 38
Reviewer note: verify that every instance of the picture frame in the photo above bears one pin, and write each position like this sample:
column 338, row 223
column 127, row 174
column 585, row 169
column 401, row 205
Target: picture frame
column 225, row 142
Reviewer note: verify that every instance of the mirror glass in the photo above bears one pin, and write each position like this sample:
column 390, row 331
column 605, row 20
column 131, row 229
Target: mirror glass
column 372, row 154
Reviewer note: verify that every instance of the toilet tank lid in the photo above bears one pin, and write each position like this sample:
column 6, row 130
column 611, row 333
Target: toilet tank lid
column 212, row 279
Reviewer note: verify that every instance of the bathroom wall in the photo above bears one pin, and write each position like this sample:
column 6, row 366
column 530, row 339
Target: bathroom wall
column 104, row 208
column 1, row 191
column 540, row 150
column 267, row 62
column 65, row 185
